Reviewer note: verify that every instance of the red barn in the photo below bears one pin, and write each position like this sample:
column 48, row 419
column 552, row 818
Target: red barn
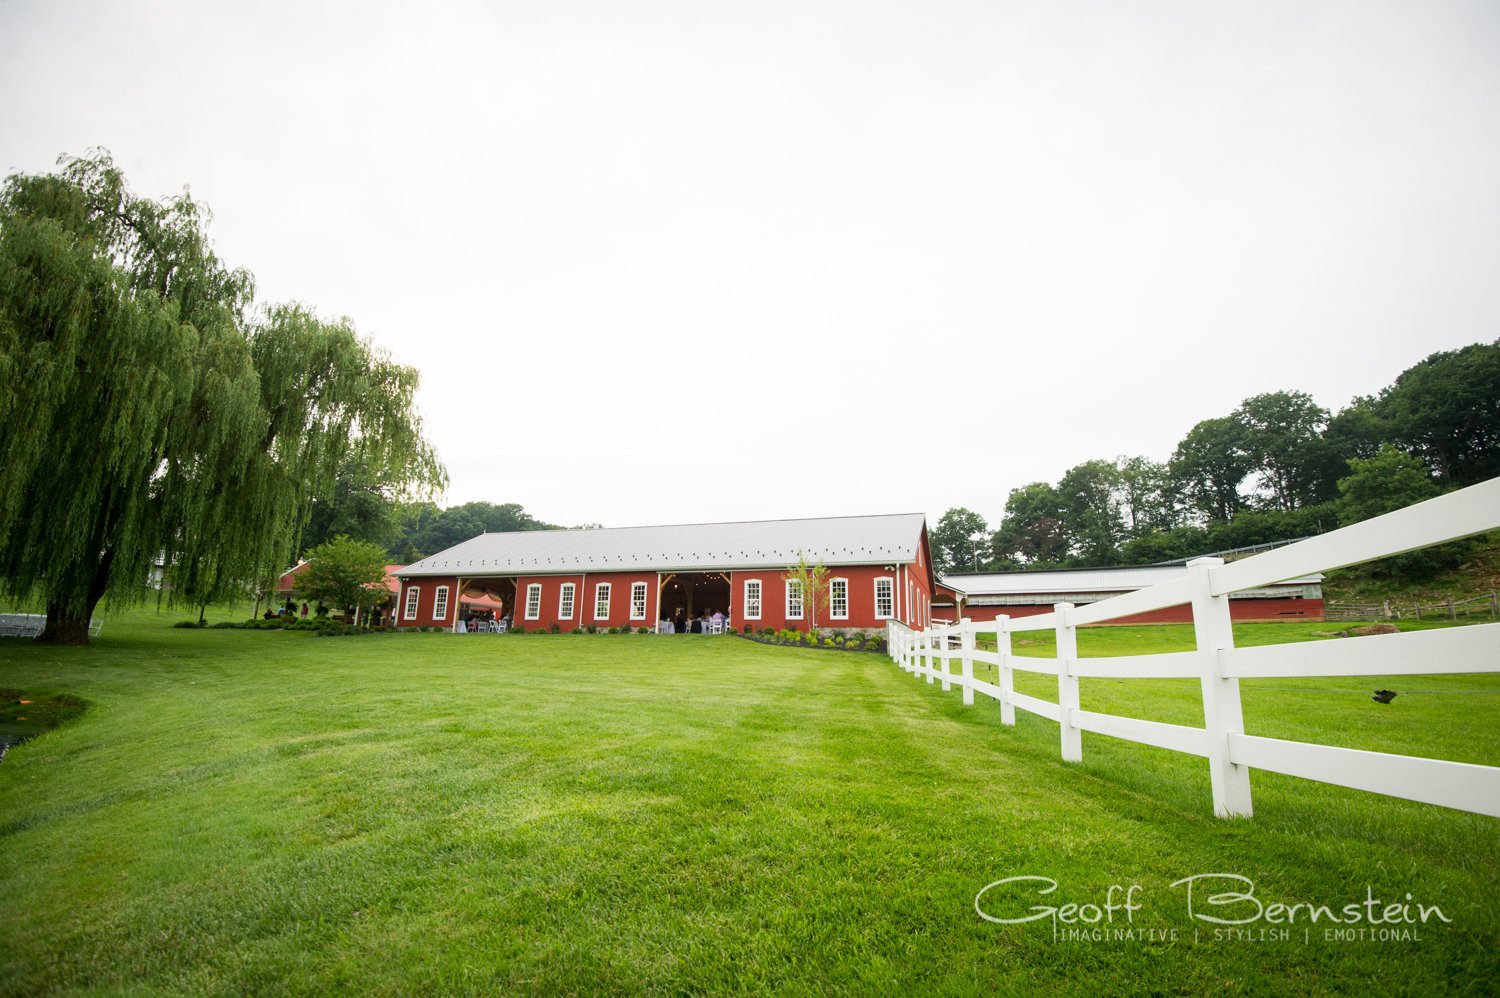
column 986, row 596
column 879, row 569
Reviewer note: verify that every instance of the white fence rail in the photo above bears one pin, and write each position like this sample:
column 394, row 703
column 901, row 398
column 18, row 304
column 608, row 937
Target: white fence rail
column 1219, row 666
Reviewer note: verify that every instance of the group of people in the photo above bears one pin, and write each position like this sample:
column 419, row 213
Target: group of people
column 703, row 624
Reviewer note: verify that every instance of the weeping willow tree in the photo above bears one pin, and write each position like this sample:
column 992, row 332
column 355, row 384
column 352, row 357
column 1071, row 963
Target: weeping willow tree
column 149, row 416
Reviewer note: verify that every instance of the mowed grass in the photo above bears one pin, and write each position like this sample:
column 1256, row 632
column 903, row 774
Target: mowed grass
column 271, row 813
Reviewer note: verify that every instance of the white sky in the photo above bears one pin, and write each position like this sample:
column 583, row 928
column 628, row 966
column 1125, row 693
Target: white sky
column 668, row 262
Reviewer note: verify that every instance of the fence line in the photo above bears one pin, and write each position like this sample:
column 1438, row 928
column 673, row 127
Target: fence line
column 1219, row 666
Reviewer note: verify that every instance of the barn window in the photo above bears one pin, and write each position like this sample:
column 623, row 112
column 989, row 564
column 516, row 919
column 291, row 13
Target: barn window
column 752, row 599
column 885, row 599
column 440, row 604
column 601, row 601
column 638, row 601
column 565, row 602
column 793, row 599
column 534, row 601
column 411, row 601
column 838, row 599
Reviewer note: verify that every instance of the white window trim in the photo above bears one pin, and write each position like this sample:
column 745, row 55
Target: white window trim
column 832, row 615
column 534, row 606
column 638, row 587
column 440, row 600
column 800, row 602
column 413, row 596
column 601, row 589
column 565, row 601
column 892, row 582
column 753, row 604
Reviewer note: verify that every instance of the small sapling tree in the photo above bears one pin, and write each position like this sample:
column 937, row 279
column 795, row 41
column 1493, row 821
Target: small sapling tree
column 812, row 580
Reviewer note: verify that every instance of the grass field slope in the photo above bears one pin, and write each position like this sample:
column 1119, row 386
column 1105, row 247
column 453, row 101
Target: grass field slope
column 271, row 813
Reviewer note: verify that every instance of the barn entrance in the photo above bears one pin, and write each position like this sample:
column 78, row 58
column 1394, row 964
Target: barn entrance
column 502, row 591
column 685, row 595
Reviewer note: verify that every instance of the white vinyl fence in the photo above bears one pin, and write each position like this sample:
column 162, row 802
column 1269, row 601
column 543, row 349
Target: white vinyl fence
column 1219, row 666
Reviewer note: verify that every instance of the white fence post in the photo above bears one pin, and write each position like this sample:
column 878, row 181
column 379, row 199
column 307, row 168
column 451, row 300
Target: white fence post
column 927, row 649
column 966, row 649
column 1067, row 684
column 1002, row 649
column 943, row 650
column 1222, row 715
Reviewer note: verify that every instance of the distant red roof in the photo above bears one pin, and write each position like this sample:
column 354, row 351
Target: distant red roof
column 288, row 585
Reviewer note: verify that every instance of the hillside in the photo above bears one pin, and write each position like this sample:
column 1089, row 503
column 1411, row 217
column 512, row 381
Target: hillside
column 1477, row 575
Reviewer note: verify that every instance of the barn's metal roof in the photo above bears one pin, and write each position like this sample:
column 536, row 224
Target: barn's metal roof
column 1089, row 580
column 836, row 540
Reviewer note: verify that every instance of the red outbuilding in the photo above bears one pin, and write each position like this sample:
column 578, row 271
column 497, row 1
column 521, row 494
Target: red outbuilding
column 986, row 596
column 880, row 569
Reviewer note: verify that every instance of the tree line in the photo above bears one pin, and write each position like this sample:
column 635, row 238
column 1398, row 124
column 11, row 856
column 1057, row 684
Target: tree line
column 1278, row 467
column 362, row 506
column 152, row 415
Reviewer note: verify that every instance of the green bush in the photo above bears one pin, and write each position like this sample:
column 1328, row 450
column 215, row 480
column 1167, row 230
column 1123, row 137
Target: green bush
column 576, row 630
column 556, row 628
column 614, row 630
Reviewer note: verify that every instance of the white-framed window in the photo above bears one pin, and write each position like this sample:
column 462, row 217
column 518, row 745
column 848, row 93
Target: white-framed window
column 601, row 601
column 638, row 601
column 412, row 592
column 565, row 601
column 534, row 601
column 838, row 599
column 440, row 604
column 885, row 598
column 793, row 599
column 752, row 599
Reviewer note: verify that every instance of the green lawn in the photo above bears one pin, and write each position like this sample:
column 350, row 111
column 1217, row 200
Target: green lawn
column 272, row 813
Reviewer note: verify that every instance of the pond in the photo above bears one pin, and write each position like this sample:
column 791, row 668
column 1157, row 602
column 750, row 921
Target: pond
column 25, row 714
column 12, row 735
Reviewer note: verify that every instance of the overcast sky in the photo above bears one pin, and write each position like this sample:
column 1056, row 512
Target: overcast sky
column 668, row 262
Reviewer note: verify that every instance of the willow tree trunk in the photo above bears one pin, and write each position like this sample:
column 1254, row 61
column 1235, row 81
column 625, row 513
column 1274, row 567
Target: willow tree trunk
column 65, row 627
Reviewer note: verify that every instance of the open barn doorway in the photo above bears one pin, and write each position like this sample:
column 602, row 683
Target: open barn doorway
column 502, row 591
column 686, row 596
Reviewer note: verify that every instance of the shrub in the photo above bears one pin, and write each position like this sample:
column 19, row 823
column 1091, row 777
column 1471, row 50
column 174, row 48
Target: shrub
column 576, row 630
column 614, row 630
column 539, row 630
column 556, row 628
column 592, row 629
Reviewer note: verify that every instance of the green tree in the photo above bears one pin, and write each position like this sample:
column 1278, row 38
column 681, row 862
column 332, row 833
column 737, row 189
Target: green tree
column 1389, row 481
column 358, row 506
column 345, row 573
column 1150, row 498
column 1447, row 409
column 958, row 541
column 1032, row 529
column 1211, row 462
column 145, row 414
column 1392, row 480
column 1285, row 443
column 1091, row 517
column 432, row 529
column 813, row 581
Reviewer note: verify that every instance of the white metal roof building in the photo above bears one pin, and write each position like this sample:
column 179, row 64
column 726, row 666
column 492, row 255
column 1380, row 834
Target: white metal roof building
column 628, row 576
column 984, row 596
